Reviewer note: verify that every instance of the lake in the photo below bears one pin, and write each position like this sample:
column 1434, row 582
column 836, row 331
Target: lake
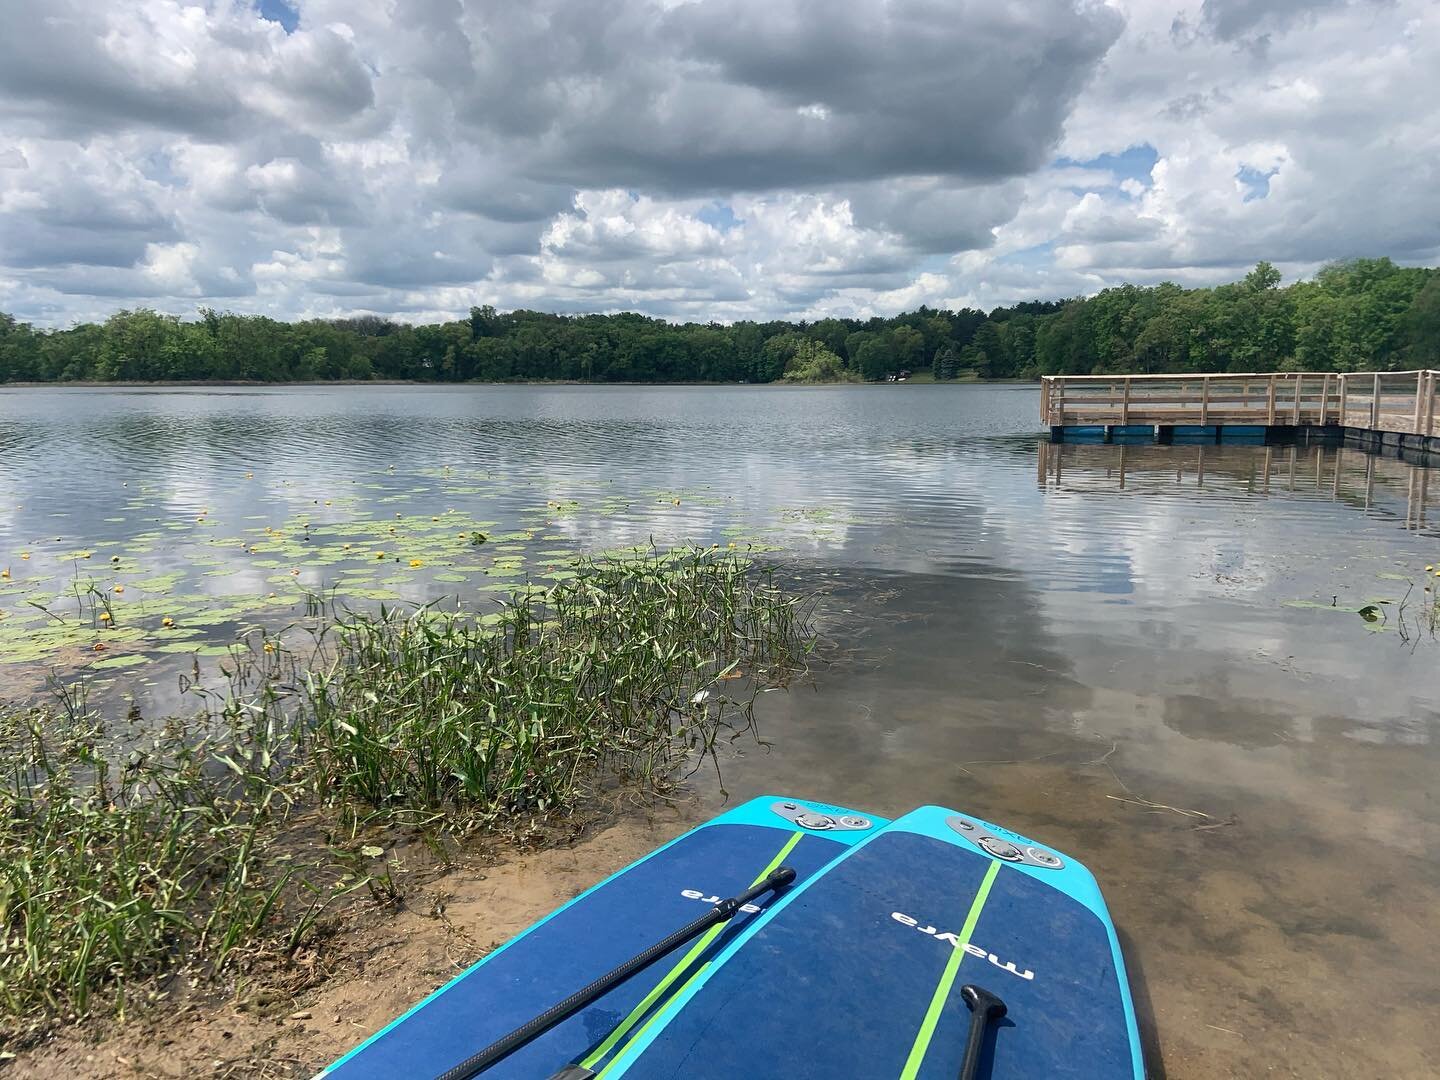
column 1153, row 658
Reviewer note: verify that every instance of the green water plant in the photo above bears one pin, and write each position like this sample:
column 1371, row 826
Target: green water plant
column 132, row 851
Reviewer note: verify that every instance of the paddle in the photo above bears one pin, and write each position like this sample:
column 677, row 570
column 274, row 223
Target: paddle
column 984, row 1007
column 560, row 1011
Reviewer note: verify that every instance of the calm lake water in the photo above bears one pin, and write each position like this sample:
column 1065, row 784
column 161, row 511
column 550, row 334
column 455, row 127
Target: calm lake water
column 1149, row 657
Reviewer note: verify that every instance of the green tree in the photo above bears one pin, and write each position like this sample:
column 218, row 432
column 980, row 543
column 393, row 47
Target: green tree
column 777, row 354
column 907, row 348
column 1422, row 325
column 872, row 357
column 993, row 360
column 945, row 365
column 813, row 362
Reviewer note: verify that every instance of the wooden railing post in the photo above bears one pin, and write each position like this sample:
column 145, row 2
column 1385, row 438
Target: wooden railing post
column 1299, row 384
column 1325, row 400
column 1204, row 401
column 1375, row 405
column 1419, row 403
column 1270, row 402
column 1429, row 401
column 1344, row 390
column 1125, row 404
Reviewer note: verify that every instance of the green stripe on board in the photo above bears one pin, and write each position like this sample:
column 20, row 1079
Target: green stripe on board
column 674, row 973
column 947, row 978
column 606, row 1071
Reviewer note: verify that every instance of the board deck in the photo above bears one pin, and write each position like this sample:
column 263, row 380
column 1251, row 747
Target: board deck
column 593, row 933
column 857, row 971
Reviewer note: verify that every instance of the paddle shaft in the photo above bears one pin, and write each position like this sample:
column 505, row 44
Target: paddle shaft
column 560, row 1011
column 984, row 1007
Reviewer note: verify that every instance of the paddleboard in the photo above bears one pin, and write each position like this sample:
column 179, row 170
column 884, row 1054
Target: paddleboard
column 857, row 972
column 595, row 932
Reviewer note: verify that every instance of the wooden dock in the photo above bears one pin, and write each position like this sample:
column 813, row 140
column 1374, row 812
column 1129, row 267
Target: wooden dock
column 1391, row 408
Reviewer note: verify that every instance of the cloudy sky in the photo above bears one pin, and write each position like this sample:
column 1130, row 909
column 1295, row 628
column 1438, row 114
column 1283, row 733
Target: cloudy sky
column 699, row 159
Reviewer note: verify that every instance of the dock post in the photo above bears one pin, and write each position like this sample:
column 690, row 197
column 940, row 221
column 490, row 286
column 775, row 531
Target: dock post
column 1109, row 433
column 1429, row 418
column 1164, row 434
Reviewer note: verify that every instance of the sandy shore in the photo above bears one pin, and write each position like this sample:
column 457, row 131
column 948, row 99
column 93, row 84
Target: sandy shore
column 292, row 1022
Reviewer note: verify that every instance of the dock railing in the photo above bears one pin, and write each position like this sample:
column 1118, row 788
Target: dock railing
column 1393, row 401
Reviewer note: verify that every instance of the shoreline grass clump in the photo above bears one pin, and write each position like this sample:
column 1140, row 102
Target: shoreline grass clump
column 110, row 870
column 606, row 674
column 130, row 853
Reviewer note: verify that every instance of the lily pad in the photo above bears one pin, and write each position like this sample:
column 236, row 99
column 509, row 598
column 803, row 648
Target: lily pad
column 128, row 660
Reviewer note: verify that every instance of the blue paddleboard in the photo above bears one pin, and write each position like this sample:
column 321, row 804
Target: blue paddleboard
column 595, row 932
column 856, row 972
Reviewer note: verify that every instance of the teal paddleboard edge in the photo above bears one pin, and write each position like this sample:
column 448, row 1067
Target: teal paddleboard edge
column 757, row 811
column 1074, row 880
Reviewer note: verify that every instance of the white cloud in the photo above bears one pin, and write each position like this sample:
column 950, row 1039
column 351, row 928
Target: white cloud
column 722, row 160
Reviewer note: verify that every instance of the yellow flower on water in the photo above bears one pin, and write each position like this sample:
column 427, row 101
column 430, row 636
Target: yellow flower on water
column 86, row 554
column 379, row 554
column 167, row 621
column 731, row 544
column 416, row 562
column 119, row 588
column 249, row 476
column 104, row 616
column 5, row 574
column 114, row 558
column 347, row 547
column 25, row 555
column 269, row 646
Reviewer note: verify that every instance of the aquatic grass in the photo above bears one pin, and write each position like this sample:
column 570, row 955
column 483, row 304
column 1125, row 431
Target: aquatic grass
column 130, row 853
column 434, row 714
column 108, row 872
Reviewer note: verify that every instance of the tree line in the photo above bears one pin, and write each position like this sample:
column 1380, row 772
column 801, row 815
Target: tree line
column 1357, row 315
